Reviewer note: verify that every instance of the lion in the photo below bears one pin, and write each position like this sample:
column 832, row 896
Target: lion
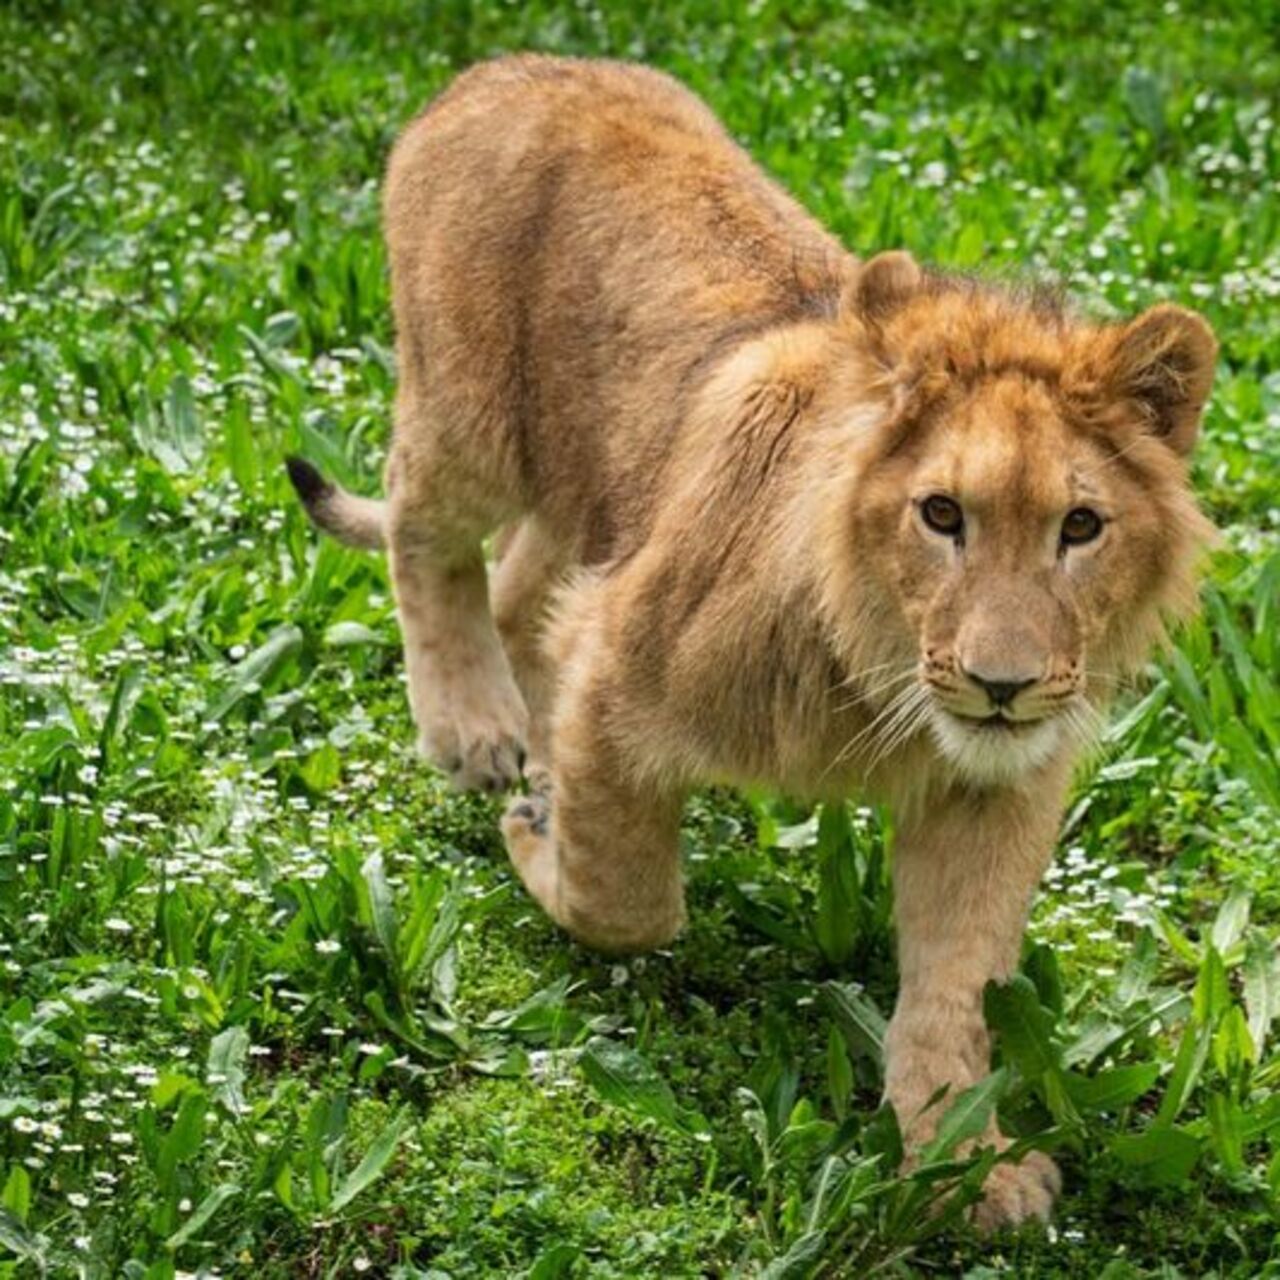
column 767, row 515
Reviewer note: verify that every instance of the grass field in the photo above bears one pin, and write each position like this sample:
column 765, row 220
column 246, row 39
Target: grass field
column 270, row 1002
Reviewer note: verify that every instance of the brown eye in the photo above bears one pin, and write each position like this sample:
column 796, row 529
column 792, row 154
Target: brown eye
column 943, row 515
column 1080, row 526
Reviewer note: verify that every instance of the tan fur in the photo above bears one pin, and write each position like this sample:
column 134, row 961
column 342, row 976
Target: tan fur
column 709, row 433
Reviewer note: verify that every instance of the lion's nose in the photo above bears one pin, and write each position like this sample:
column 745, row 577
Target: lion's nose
column 1001, row 692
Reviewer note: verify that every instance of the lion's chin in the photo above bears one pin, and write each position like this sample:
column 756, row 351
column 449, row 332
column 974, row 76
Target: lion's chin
column 992, row 753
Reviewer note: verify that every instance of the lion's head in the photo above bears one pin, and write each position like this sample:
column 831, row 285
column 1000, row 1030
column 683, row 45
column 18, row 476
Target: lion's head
column 1017, row 522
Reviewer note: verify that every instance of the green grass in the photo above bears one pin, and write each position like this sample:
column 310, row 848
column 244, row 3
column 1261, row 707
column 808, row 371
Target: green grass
column 270, row 1002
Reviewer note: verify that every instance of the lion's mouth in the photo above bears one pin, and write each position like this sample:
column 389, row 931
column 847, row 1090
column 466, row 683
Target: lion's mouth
column 996, row 723
column 995, row 748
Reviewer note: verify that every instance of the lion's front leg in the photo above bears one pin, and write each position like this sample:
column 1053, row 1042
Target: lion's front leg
column 599, row 847
column 964, row 873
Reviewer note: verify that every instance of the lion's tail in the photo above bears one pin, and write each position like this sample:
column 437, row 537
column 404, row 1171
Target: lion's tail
column 359, row 522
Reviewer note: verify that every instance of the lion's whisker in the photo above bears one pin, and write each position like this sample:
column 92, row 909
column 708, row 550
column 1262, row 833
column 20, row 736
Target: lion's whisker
column 887, row 713
column 854, row 676
column 892, row 729
column 871, row 692
column 906, row 728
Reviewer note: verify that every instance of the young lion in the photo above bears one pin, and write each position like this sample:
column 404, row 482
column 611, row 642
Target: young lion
column 783, row 517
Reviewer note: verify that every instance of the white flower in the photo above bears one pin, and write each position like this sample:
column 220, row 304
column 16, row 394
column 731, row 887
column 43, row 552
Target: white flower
column 77, row 1200
column 328, row 946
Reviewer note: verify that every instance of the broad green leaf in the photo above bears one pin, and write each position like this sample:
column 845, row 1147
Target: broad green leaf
column 623, row 1077
column 970, row 245
column 344, row 635
column 225, row 1069
column 1226, row 1125
column 322, row 769
column 1212, row 992
column 433, row 1042
column 555, row 1262
column 281, row 329
column 830, row 1175
column 1052, row 1085
column 1100, row 1036
column 242, row 448
column 1139, row 969
column 1120, row 729
column 967, row 1118
column 1178, row 942
column 1261, row 988
column 1014, row 1011
column 371, row 1167
column 836, row 926
column 254, row 671
column 756, row 1120
column 183, row 1140
column 169, row 1086
column 323, row 1137
column 802, row 1139
column 15, row 1237
column 1255, row 762
column 203, row 1212
column 1110, row 1090
column 272, row 363
column 544, row 1015
column 282, row 1184
column 382, row 909
column 767, row 920
column 1193, row 1049
column 128, row 686
column 1124, row 770
column 799, row 1260
column 1232, row 1043
column 1186, row 686
column 16, row 1196
column 859, row 1021
column 839, row 1072
column 183, row 424
column 1041, row 966
column 1159, row 1156
column 435, row 920
column 882, row 1137
column 1231, row 922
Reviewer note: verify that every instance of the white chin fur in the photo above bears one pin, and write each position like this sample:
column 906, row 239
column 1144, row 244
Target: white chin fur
column 987, row 756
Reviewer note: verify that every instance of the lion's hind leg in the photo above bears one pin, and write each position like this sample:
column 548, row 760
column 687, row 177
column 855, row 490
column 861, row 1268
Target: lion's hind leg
column 470, row 715
column 530, row 563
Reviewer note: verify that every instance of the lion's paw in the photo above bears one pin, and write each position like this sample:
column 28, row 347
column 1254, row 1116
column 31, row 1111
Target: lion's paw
column 480, row 751
column 1017, row 1193
column 526, row 829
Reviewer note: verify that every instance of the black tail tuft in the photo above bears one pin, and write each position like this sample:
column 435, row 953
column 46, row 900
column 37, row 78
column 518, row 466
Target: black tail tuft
column 359, row 522
column 312, row 487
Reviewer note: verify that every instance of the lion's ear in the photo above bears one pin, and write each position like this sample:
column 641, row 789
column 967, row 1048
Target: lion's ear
column 883, row 284
column 1163, row 362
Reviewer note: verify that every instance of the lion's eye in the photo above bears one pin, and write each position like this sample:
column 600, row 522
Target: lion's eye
column 943, row 515
column 1080, row 526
